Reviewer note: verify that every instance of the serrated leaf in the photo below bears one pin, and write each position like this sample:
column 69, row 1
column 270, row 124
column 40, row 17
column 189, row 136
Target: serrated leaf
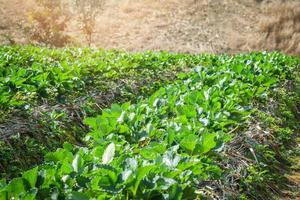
column 141, row 173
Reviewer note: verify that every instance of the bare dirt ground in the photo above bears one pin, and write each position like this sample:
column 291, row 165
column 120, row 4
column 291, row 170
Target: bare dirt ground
column 213, row 26
column 184, row 26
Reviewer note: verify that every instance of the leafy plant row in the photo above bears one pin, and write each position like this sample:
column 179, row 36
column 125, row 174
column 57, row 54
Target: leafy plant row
column 29, row 74
column 162, row 147
column 44, row 88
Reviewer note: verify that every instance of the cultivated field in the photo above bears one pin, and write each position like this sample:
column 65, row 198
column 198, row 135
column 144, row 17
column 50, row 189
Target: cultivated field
column 149, row 99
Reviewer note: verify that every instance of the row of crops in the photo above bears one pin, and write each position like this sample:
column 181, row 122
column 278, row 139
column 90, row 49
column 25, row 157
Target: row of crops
column 29, row 74
column 43, row 89
column 173, row 144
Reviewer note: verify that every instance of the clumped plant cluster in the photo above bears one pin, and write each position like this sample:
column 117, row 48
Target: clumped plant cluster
column 168, row 145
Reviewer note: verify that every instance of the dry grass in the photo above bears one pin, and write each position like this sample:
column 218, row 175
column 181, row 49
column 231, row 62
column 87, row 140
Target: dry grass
column 281, row 28
column 193, row 26
column 172, row 25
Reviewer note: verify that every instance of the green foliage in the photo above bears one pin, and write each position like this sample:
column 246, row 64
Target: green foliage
column 69, row 83
column 29, row 74
column 163, row 146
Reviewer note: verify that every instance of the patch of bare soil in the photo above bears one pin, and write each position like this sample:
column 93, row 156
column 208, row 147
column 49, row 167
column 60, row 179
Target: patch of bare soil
column 194, row 26
column 13, row 13
column 180, row 26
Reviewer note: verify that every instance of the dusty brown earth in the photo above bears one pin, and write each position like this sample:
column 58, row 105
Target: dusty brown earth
column 185, row 26
column 213, row 26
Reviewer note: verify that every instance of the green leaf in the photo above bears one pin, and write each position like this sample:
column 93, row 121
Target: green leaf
column 148, row 153
column 189, row 142
column 59, row 155
column 3, row 195
column 68, row 146
column 31, row 176
column 78, row 196
column 92, row 122
column 108, row 154
column 175, row 192
column 3, row 190
column 120, row 120
column 208, row 142
column 141, row 173
column 188, row 110
column 2, row 183
column 30, row 196
column 16, row 186
column 76, row 164
column 238, row 68
column 171, row 159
